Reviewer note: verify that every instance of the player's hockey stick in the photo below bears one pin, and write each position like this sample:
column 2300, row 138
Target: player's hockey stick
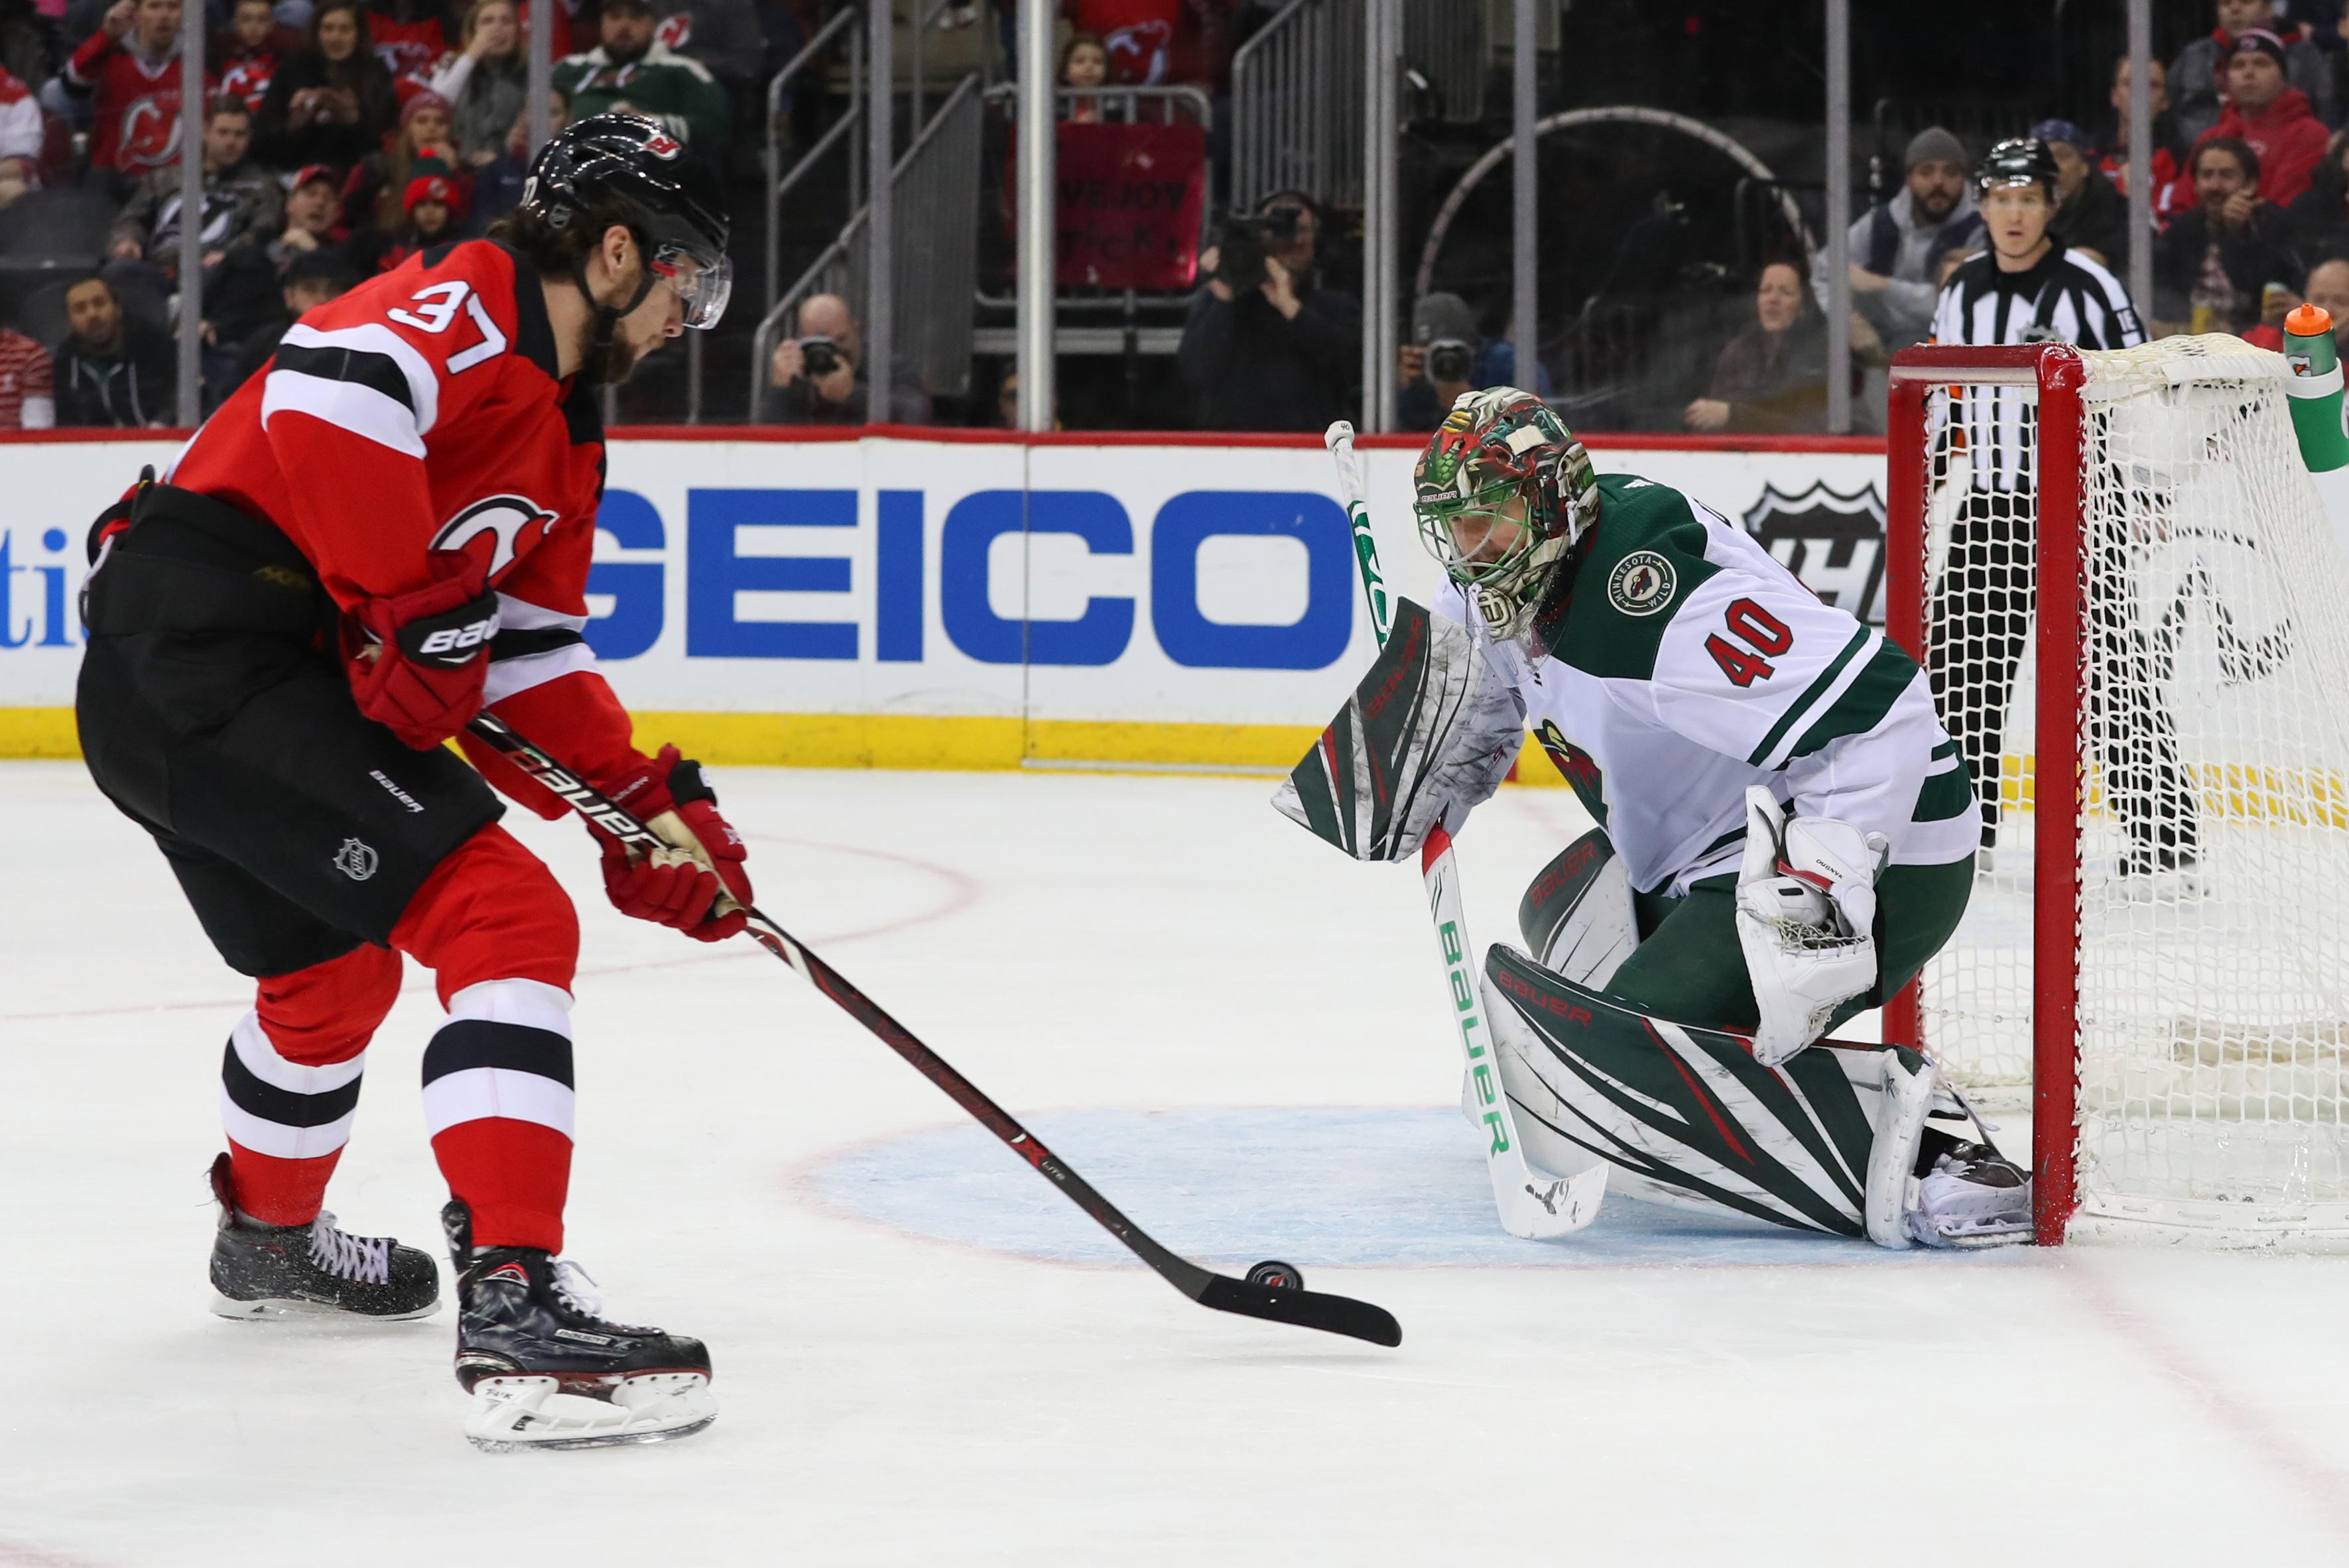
column 1532, row 1202
column 1280, row 1304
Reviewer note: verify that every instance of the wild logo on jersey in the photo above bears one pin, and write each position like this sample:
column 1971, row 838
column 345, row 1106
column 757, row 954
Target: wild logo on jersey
column 1578, row 768
column 1641, row 583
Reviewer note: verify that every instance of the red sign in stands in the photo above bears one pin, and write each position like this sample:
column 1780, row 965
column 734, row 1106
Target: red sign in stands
column 1132, row 197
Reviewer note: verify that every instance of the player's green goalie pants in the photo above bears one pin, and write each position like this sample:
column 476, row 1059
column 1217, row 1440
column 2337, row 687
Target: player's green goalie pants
column 1689, row 967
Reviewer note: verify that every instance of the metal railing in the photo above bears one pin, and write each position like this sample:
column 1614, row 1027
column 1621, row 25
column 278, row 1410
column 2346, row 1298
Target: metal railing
column 1449, row 43
column 933, row 271
column 1127, row 102
column 779, row 180
column 1296, row 106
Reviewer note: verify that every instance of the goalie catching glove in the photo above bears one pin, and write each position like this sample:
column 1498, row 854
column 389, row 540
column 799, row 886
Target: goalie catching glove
column 1806, row 921
column 677, row 886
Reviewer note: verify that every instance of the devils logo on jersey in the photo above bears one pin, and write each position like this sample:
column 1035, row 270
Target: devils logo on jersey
column 150, row 132
column 505, row 519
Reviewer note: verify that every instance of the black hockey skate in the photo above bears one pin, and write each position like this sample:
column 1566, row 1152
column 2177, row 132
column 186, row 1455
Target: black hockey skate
column 313, row 1270
column 546, row 1370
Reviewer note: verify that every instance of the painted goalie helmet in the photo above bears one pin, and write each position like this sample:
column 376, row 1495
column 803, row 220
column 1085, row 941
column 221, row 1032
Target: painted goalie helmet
column 1502, row 494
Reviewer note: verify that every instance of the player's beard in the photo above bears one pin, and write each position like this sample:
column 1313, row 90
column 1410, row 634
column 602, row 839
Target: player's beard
column 617, row 362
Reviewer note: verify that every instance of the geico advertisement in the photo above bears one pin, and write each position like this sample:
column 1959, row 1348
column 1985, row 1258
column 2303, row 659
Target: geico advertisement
column 1179, row 583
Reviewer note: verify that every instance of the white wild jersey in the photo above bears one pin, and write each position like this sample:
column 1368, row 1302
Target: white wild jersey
column 1686, row 664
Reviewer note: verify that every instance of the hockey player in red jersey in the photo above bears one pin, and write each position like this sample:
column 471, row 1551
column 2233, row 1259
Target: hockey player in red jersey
column 383, row 535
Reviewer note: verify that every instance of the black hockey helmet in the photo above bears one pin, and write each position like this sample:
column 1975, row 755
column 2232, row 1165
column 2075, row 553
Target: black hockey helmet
column 2018, row 160
column 674, row 201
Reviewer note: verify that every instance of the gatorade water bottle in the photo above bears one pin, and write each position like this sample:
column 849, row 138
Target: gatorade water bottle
column 2316, row 411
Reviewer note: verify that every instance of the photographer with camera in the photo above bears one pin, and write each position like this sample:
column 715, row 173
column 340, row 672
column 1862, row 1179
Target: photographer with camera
column 819, row 376
column 1265, row 349
column 1445, row 357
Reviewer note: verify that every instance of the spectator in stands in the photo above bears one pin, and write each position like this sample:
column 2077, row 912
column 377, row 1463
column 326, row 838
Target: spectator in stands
column 1447, row 356
column 242, row 202
column 311, row 279
column 130, row 67
column 2200, row 76
column 243, row 291
column 2168, row 145
column 1137, row 36
column 377, row 195
column 26, row 399
column 497, row 186
column 820, row 376
column 432, row 209
column 722, row 36
column 249, row 52
column 22, row 134
column 112, row 370
column 2269, row 116
column 1772, row 377
column 410, row 36
column 1275, row 355
column 1084, row 63
column 487, row 82
column 333, row 105
column 2320, row 217
column 2090, row 214
column 1154, row 41
column 2328, row 286
column 635, row 71
column 1893, row 246
column 2212, row 263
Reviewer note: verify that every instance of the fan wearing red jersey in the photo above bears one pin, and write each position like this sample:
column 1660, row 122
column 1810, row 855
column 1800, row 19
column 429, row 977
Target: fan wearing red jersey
column 384, row 533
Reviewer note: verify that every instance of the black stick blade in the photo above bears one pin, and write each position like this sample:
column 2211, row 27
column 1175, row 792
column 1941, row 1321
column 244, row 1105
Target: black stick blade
column 1303, row 1308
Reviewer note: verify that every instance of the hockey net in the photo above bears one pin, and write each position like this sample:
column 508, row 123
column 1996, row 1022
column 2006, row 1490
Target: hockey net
column 2122, row 583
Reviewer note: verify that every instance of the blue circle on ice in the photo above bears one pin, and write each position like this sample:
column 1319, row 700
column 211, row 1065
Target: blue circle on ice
column 1315, row 1186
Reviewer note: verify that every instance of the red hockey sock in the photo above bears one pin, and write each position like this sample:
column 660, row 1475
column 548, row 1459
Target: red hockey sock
column 290, row 1080
column 503, row 941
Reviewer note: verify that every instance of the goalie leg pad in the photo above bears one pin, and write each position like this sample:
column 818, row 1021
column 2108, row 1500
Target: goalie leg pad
column 1578, row 916
column 1825, row 1143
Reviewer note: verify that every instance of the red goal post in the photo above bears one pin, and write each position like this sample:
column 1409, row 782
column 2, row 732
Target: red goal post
column 2055, row 370
column 2134, row 609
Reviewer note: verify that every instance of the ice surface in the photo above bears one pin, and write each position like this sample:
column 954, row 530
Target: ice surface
column 924, row 1357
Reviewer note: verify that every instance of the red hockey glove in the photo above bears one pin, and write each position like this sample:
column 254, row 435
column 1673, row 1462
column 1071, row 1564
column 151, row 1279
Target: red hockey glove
column 419, row 670
column 676, row 887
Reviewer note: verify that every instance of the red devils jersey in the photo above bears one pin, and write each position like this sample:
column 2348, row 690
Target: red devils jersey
column 135, row 123
column 422, row 412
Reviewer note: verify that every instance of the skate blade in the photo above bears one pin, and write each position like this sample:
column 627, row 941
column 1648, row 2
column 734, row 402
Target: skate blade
column 512, row 1414
column 286, row 1309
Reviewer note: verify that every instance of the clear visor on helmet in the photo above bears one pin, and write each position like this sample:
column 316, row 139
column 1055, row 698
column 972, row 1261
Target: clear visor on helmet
column 1479, row 539
column 703, row 283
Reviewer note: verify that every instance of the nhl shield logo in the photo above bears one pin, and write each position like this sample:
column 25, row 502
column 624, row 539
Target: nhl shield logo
column 355, row 860
column 1832, row 542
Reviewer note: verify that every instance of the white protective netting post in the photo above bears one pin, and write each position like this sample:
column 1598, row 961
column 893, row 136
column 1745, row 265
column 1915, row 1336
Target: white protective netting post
column 2209, row 719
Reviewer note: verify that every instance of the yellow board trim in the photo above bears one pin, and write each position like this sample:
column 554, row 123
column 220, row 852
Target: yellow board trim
column 38, row 732
column 2297, row 796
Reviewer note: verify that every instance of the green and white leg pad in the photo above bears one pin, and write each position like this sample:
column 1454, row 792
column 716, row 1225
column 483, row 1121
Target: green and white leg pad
column 1833, row 1140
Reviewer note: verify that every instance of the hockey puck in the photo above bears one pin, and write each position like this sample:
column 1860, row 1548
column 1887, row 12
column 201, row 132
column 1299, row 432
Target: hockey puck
column 1280, row 1275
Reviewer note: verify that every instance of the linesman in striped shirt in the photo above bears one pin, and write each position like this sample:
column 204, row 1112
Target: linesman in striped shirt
column 2026, row 288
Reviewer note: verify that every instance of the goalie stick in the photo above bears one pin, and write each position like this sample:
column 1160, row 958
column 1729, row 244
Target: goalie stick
column 1277, row 1304
column 1532, row 1203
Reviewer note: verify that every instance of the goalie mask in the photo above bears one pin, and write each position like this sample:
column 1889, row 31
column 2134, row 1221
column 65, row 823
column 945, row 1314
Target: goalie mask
column 1502, row 495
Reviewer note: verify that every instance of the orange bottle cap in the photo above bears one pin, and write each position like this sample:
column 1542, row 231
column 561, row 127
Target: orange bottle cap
column 2308, row 321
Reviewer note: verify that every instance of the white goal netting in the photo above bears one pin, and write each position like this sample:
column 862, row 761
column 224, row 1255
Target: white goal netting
column 2212, row 725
